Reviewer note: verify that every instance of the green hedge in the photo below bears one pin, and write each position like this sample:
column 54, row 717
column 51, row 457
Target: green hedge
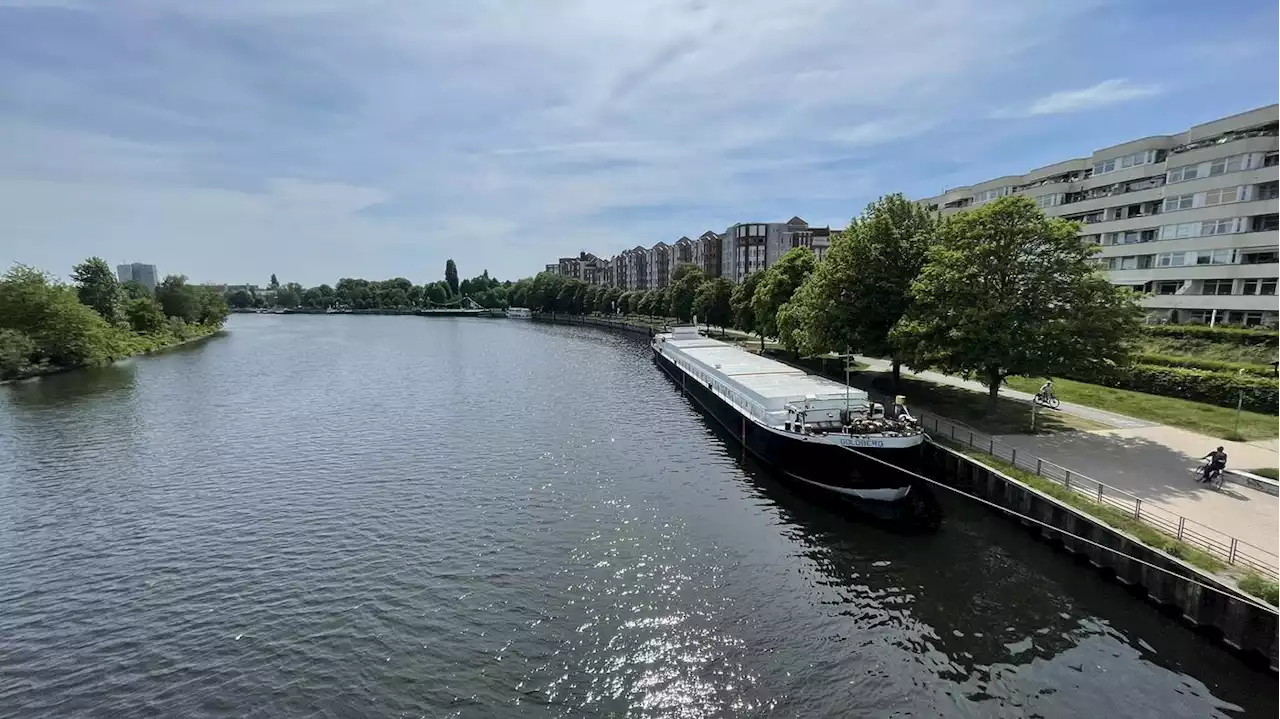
column 1213, row 365
column 1227, row 335
column 1196, row 385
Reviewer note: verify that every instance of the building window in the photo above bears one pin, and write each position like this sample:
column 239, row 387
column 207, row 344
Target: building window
column 1177, row 232
column 1181, row 202
column 1224, row 196
column 1184, row 173
column 1217, row 287
column 1220, row 227
column 1266, row 223
column 1261, row 257
column 1168, row 288
column 1170, row 259
column 1259, row 287
column 1223, row 165
column 1268, row 191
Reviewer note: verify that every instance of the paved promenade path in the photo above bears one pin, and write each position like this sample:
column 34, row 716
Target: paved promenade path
column 1152, row 461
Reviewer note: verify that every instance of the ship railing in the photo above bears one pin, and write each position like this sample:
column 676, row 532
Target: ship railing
column 1231, row 550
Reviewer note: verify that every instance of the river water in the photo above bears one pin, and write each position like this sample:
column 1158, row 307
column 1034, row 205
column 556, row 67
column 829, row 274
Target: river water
column 404, row 517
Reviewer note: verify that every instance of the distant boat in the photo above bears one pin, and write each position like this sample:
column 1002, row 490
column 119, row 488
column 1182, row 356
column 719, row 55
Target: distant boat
column 520, row 313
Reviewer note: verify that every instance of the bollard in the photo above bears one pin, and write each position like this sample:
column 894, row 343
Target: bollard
column 1013, row 457
column 1182, row 522
column 1231, row 557
column 1039, row 466
column 1100, row 486
column 1137, row 508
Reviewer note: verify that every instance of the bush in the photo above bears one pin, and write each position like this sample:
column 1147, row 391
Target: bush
column 1264, row 589
column 1213, row 365
column 145, row 316
column 1229, row 335
column 16, row 349
column 1196, row 385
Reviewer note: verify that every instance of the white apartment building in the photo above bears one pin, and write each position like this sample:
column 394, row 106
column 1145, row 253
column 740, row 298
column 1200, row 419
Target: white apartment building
column 143, row 274
column 1188, row 219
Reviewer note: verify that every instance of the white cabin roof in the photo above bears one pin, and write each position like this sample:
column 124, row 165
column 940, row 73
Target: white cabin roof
column 770, row 383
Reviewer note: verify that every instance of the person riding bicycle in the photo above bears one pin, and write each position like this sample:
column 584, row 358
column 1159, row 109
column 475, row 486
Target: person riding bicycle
column 1217, row 463
column 1046, row 390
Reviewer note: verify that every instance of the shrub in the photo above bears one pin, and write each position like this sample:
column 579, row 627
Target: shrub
column 16, row 349
column 1214, row 365
column 1230, row 335
column 1264, row 589
column 1196, row 385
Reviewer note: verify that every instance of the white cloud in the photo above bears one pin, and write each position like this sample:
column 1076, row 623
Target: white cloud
column 1107, row 92
column 499, row 133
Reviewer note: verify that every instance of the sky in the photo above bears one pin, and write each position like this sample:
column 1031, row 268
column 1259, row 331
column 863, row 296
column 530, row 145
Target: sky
column 319, row 139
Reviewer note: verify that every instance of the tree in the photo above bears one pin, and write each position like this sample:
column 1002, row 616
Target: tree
column 239, row 299
column 275, row 284
column 145, row 316
column 634, row 299
column 97, row 287
column 685, row 281
column 178, row 299
column 65, row 332
column 451, row 277
column 213, row 306
column 614, row 299
column 862, row 288
column 778, row 284
column 1008, row 291
column 744, row 317
column 134, row 290
column 645, row 306
column 713, row 303
column 288, row 296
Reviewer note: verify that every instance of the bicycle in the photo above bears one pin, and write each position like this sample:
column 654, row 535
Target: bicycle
column 1050, row 401
column 1202, row 476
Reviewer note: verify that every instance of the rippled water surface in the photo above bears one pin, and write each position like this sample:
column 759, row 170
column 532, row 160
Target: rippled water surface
column 399, row 516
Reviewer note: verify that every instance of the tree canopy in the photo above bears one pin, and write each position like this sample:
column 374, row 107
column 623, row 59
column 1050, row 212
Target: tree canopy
column 713, row 302
column 777, row 284
column 1006, row 290
column 97, row 287
column 451, row 276
column 685, row 281
column 862, row 287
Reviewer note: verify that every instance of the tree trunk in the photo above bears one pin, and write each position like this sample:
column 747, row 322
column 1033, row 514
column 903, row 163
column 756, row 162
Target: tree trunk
column 993, row 385
column 761, row 343
column 897, row 374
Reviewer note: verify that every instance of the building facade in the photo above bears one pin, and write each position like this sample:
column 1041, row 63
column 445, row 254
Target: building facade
column 659, row 257
column 753, row 246
column 143, row 274
column 706, row 253
column 681, row 253
column 1190, row 220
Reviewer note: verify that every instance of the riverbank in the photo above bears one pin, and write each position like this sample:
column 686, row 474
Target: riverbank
column 142, row 345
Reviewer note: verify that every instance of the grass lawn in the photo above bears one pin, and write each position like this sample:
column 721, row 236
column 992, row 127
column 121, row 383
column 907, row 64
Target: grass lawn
column 1268, row 472
column 1196, row 416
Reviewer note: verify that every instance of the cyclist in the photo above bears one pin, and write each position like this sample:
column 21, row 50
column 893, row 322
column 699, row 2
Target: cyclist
column 1046, row 390
column 1217, row 463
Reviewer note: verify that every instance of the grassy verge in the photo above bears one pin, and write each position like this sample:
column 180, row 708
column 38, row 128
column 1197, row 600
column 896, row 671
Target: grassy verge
column 1268, row 472
column 1195, row 416
column 1264, row 589
column 1007, row 416
column 1109, row 515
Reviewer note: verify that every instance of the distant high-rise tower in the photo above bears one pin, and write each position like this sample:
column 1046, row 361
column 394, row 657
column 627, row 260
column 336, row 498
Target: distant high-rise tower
column 144, row 275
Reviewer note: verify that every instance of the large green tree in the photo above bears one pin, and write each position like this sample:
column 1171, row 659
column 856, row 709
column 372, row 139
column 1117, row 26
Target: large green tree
column 712, row 303
column 685, row 281
column 862, row 287
column 134, row 290
column 1008, row 291
column 213, row 306
column 779, row 283
column 178, row 299
column 97, row 287
column 16, row 351
column 451, row 277
column 144, row 315
column 239, row 299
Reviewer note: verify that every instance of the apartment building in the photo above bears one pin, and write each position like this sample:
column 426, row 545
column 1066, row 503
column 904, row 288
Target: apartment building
column 1190, row 220
column 681, row 253
column 659, row 258
column 637, row 263
column 143, row 274
column 706, row 253
column 753, row 246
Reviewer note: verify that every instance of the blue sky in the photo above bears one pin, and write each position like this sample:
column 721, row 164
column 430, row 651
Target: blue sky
column 325, row 138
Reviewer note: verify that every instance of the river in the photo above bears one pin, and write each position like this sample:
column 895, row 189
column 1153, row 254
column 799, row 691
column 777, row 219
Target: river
column 402, row 516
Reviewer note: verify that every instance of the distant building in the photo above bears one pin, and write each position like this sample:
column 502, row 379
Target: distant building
column 706, row 253
column 751, row 247
column 144, row 275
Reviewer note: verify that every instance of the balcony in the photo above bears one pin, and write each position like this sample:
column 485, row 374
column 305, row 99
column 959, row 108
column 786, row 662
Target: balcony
column 1239, row 240
column 1196, row 272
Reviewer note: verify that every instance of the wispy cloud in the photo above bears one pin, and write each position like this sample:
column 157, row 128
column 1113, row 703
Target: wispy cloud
column 1107, row 92
column 367, row 137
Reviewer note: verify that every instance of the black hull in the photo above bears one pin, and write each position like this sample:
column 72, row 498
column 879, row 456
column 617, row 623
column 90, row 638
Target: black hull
column 855, row 475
